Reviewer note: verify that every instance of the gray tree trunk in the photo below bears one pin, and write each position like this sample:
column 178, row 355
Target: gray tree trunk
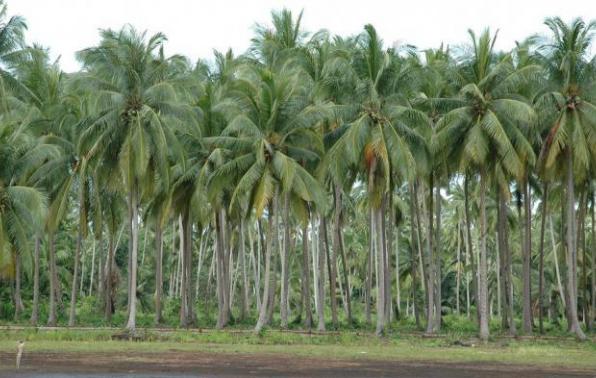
column 158, row 271
column 261, row 322
column 134, row 232
column 572, row 251
column 526, row 260
column 321, row 276
column 285, row 258
column 482, row 266
column 541, row 263
column 306, row 279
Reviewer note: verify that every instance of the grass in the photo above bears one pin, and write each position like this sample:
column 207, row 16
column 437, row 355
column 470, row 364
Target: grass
column 560, row 352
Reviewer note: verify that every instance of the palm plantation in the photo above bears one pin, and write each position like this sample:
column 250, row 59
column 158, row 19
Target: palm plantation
column 312, row 181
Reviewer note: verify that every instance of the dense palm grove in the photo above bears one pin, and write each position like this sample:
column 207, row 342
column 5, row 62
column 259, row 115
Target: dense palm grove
column 315, row 180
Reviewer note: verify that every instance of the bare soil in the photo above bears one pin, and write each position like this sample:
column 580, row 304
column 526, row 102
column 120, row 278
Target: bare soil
column 200, row 364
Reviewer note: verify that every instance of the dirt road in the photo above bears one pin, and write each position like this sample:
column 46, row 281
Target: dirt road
column 190, row 364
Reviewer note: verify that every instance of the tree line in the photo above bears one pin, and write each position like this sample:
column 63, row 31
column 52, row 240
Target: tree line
column 314, row 180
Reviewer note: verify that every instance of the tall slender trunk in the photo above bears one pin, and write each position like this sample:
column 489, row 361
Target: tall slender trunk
column 92, row 273
column 413, row 257
column 52, row 316
column 75, row 275
column 108, row 293
column 471, row 245
column 306, row 279
column 541, row 263
column 186, row 313
column 505, row 263
column 369, row 268
column 332, row 274
column 593, row 285
column 526, row 258
column 387, row 229
column 378, row 232
column 158, row 270
column 36, row 261
column 581, row 241
column 571, row 250
column 482, row 265
column 244, row 297
column 556, row 262
column 271, row 234
column 222, row 287
column 134, row 232
column 285, row 258
column 338, row 248
column 321, row 276
column 429, row 263
column 438, row 288
column 458, row 269
column 397, row 286
column 342, row 252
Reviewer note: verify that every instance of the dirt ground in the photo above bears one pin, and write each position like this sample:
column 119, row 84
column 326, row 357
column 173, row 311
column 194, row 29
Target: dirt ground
column 190, row 364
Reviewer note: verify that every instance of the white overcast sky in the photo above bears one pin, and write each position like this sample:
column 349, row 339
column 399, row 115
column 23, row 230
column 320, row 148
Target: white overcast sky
column 194, row 28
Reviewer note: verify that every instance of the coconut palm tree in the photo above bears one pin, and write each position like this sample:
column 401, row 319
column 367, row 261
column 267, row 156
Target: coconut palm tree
column 570, row 147
column 136, row 106
column 483, row 122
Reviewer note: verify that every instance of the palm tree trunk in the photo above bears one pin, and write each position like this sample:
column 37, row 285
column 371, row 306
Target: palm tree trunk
column 526, row 259
column 378, row 232
column 541, row 263
column 482, row 266
column 36, row 261
column 571, row 250
column 158, row 270
column 186, row 318
column 134, row 232
column 387, row 246
column 344, row 264
column 430, row 271
column 369, row 268
column 470, row 245
column 556, row 262
column 593, row 286
column 438, row 299
column 321, row 276
column 92, row 272
column 221, row 276
column 245, row 288
column 306, row 278
column 332, row 274
column 52, row 316
column 581, row 241
column 75, row 275
column 109, row 299
column 507, row 313
column 413, row 257
column 285, row 258
column 261, row 322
